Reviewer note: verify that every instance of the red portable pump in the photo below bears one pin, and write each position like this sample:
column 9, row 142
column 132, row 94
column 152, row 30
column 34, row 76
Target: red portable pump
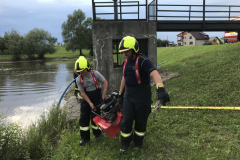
column 110, row 115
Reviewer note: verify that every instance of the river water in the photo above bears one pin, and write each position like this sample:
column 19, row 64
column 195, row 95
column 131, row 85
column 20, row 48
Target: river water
column 28, row 89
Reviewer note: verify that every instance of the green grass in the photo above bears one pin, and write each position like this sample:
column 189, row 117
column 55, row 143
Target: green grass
column 173, row 134
column 5, row 57
column 34, row 142
column 60, row 53
column 206, row 76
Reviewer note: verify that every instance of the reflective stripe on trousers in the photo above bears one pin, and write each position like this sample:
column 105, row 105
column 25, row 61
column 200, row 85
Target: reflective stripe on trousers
column 87, row 128
column 95, row 127
column 84, row 128
column 125, row 135
column 140, row 133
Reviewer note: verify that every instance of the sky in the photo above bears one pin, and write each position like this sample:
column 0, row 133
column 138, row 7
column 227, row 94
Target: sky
column 25, row 15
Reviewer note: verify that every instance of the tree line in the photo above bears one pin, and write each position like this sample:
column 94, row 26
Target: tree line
column 162, row 43
column 34, row 44
column 76, row 33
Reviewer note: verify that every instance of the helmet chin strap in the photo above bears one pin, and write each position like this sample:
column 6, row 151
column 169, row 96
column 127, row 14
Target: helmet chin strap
column 133, row 53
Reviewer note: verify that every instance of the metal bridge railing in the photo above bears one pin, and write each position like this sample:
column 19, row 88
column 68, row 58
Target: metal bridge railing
column 119, row 10
column 133, row 10
column 152, row 11
column 192, row 12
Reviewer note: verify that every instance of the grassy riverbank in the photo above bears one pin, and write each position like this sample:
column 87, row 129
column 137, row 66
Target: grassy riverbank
column 205, row 76
column 60, row 53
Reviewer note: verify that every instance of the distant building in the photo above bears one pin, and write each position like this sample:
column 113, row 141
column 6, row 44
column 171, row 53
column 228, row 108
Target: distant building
column 192, row 38
column 215, row 40
column 170, row 44
column 222, row 39
column 180, row 38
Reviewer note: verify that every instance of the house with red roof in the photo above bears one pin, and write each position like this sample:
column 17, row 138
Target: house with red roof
column 215, row 40
column 192, row 38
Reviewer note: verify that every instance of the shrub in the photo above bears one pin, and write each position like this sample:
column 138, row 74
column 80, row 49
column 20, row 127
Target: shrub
column 207, row 43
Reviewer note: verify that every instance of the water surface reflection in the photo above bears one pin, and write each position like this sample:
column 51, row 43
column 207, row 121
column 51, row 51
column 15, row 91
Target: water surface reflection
column 28, row 89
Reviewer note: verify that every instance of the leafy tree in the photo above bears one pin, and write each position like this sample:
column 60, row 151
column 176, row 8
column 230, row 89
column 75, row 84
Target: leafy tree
column 76, row 32
column 38, row 42
column 14, row 42
column 2, row 44
column 162, row 43
column 88, row 35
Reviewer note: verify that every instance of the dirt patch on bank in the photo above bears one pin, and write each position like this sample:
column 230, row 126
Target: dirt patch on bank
column 73, row 107
column 165, row 75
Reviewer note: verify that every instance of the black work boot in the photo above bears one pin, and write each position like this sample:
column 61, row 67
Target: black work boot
column 83, row 142
column 123, row 148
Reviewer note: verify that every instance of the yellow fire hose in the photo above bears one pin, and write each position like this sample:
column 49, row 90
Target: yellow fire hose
column 158, row 105
column 195, row 107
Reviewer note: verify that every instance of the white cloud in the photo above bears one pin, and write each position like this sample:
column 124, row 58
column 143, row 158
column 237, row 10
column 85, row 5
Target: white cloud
column 25, row 115
column 68, row 2
column 49, row 15
column 46, row 1
column 30, row 12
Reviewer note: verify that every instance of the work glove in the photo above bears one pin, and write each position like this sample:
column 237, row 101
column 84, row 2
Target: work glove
column 162, row 95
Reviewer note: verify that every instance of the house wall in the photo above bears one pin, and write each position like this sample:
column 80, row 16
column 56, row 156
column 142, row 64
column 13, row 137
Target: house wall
column 189, row 40
column 180, row 38
column 200, row 42
column 105, row 33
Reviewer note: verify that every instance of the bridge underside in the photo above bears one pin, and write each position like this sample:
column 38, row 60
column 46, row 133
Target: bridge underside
column 198, row 26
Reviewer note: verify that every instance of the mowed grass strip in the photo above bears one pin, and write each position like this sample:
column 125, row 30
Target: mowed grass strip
column 206, row 76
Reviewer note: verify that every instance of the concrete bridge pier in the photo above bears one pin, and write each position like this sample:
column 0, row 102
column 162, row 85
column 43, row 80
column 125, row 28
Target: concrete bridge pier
column 106, row 38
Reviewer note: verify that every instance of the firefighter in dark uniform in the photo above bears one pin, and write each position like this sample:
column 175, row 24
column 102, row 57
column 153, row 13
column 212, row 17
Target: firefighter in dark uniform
column 88, row 85
column 137, row 70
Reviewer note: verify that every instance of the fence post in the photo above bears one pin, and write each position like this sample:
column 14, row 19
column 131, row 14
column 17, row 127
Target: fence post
column 115, row 10
column 120, row 9
column 94, row 11
column 146, row 10
column 203, row 15
column 190, row 13
column 229, row 14
column 138, row 10
column 156, row 9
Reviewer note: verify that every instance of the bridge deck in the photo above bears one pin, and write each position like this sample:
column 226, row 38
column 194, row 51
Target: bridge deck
column 198, row 26
column 171, row 17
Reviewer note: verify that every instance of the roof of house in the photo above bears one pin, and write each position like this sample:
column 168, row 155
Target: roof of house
column 212, row 38
column 182, row 33
column 200, row 35
column 213, row 42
